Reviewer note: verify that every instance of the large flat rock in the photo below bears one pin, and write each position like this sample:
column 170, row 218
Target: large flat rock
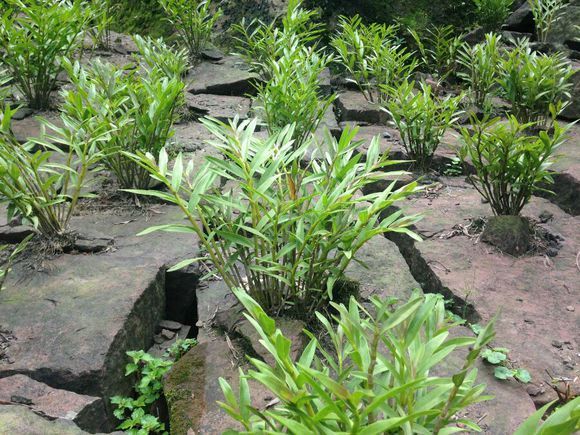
column 72, row 322
column 221, row 107
column 21, row 420
column 225, row 77
column 536, row 296
column 352, row 106
column 85, row 411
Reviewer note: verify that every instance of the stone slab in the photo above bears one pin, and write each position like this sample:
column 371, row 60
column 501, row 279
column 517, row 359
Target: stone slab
column 221, row 107
column 226, row 77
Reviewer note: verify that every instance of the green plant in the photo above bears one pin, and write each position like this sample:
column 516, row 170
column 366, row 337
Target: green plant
column 6, row 262
column 480, row 69
column 509, row 163
column 41, row 190
column 438, row 48
column 565, row 420
column 194, row 22
column 498, row 356
column 4, row 89
column 293, row 94
column 103, row 15
column 372, row 56
column 133, row 412
column 491, row 14
column 156, row 57
column 422, row 119
column 180, row 348
column 454, row 168
column 140, row 105
column 533, row 82
column 284, row 232
column 546, row 13
column 376, row 378
column 34, row 38
column 261, row 44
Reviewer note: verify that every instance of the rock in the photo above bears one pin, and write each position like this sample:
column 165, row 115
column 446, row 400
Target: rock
column 212, row 54
column 192, row 388
column 22, row 420
column 30, row 126
column 545, row 216
column 88, row 244
column 570, row 308
column 572, row 111
column 16, row 234
column 170, row 325
column 352, row 106
column 167, row 334
column 73, row 323
column 566, row 27
column 325, row 81
column 475, row 36
column 192, row 137
column 557, row 344
column 510, row 234
column 180, row 291
column 224, row 78
column 221, row 107
column 510, row 38
column 521, row 20
column 21, row 113
column 86, row 412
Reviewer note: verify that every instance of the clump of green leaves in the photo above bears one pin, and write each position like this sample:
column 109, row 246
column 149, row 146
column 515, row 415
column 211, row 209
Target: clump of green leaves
column 156, row 57
column 509, row 162
column 546, row 13
column 40, row 189
column 372, row 56
column 141, row 105
column 480, row 70
column 422, row 119
column 498, row 356
column 262, row 44
column 283, row 231
column 533, row 82
column 103, row 15
column 293, row 94
column 136, row 413
column 491, row 14
column 35, row 36
column 564, row 420
column 193, row 21
column 438, row 48
column 376, row 378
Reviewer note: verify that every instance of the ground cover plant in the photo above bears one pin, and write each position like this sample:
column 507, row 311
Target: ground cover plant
column 193, row 21
column 375, row 376
column 532, row 82
column 282, row 232
column 480, row 70
column 509, row 163
column 35, row 184
column 372, row 56
column 139, row 105
column 422, row 119
column 34, row 38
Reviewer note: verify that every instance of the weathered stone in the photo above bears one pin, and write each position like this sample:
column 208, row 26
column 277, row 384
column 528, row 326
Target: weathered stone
column 30, row 126
column 86, row 412
column 510, row 234
column 21, row 420
column 221, row 107
column 531, row 291
column 167, row 334
column 325, row 81
column 352, row 106
column 227, row 77
column 566, row 27
column 180, row 290
column 14, row 234
column 170, row 325
column 74, row 322
column 475, row 36
column 88, row 244
column 572, row 111
column 212, row 54
column 521, row 20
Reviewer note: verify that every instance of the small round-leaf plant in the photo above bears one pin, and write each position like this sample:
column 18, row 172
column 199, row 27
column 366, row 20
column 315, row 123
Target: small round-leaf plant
column 194, row 21
column 35, row 37
column 284, row 231
column 374, row 377
column 510, row 163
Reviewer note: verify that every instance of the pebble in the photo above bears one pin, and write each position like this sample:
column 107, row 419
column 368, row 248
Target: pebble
column 170, row 325
column 570, row 308
column 557, row 344
column 534, row 390
column 167, row 334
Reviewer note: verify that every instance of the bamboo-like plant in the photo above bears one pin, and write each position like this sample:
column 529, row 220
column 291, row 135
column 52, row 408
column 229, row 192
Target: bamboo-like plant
column 422, row 119
column 533, row 82
column 283, row 231
column 103, row 14
column 372, row 56
column 156, row 57
column 374, row 376
column 140, row 105
column 34, row 38
column 293, row 94
column 509, row 162
column 193, row 21
column 438, row 49
column 491, row 14
column 480, row 69
column 260, row 44
column 42, row 191
column 546, row 13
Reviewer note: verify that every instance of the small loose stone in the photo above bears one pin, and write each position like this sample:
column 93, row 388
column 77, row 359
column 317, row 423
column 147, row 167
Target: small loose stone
column 570, row 308
column 167, row 334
